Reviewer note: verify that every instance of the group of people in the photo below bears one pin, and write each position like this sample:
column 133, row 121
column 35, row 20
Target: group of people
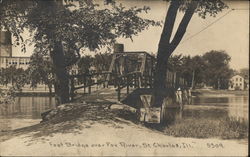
column 183, row 96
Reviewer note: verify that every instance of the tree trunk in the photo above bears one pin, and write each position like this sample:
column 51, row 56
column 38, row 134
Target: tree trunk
column 61, row 84
column 166, row 48
column 160, row 78
column 61, row 75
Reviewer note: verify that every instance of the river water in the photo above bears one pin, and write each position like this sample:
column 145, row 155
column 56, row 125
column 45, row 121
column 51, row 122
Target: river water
column 27, row 111
column 24, row 112
column 219, row 106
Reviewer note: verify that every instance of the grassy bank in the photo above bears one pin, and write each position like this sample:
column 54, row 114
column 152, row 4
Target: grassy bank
column 208, row 128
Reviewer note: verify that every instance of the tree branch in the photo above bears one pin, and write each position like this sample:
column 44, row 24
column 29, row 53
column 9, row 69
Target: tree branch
column 169, row 22
column 183, row 25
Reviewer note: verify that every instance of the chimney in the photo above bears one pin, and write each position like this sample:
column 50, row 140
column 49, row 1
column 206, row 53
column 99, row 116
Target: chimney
column 118, row 48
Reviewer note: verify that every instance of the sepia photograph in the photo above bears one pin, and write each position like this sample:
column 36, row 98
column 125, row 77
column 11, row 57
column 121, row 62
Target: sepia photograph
column 124, row 77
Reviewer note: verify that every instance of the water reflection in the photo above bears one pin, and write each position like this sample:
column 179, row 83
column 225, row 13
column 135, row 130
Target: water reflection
column 27, row 107
column 25, row 111
column 238, row 108
column 234, row 107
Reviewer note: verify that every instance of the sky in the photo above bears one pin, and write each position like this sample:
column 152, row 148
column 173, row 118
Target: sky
column 228, row 31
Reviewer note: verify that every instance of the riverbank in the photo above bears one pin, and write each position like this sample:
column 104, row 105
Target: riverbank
column 107, row 129
column 213, row 92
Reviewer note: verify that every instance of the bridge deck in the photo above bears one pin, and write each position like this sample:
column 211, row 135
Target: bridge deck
column 105, row 95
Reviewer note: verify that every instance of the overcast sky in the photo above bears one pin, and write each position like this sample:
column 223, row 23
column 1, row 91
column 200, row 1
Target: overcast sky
column 229, row 33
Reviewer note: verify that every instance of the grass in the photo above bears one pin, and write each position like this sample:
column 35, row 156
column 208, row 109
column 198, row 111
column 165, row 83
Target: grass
column 208, row 128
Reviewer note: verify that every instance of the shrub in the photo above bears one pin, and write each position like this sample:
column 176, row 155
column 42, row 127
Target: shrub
column 208, row 128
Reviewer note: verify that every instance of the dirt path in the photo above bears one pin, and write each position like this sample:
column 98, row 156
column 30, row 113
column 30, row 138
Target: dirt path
column 118, row 139
column 92, row 130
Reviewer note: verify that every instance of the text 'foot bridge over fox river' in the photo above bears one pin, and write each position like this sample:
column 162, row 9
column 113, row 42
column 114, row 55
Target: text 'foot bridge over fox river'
column 130, row 77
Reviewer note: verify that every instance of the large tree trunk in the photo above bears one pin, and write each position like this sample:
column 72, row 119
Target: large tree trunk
column 61, row 75
column 61, row 84
column 166, row 48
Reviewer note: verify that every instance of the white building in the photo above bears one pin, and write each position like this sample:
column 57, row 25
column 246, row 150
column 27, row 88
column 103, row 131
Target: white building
column 6, row 58
column 18, row 62
column 237, row 82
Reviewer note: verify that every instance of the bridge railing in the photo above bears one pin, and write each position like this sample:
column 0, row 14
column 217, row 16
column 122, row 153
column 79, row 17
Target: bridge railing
column 129, row 80
column 86, row 81
column 133, row 79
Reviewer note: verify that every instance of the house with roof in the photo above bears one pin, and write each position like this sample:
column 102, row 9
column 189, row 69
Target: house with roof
column 237, row 82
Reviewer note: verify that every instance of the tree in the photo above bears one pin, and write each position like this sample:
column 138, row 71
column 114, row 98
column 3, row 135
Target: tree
column 60, row 29
column 217, row 72
column 190, row 68
column 167, row 47
column 17, row 77
column 102, row 61
column 244, row 72
column 41, row 70
column 84, row 64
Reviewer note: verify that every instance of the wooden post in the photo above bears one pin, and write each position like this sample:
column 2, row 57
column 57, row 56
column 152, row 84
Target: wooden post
column 127, row 82
column 134, row 78
column 140, row 80
column 118, row 91
column 89, row 82
column 112, row 65
column 115, row 80
column 72, row 88
column 175, row 80
column 150, row 81
column 84, row 83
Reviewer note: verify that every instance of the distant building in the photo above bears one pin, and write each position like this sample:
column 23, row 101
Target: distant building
column 6, row 58
column 18, row 62
column 237, row 82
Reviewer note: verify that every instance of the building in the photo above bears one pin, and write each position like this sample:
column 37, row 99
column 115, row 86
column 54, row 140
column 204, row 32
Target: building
column 6, row 58
column 18, row 62
column 237, row 82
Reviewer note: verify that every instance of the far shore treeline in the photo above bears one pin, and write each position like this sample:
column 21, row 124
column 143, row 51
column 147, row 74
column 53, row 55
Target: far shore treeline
column 210, row 69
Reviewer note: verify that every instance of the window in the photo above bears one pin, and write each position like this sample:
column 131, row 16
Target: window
column 240, row 79
column 236, row 79
column 240, row 84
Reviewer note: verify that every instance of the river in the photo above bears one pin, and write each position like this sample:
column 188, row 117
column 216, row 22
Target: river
column 26, row 110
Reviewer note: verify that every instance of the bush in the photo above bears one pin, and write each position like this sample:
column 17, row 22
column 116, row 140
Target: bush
column 234, row 129
column 208, row 128
column 7, row 96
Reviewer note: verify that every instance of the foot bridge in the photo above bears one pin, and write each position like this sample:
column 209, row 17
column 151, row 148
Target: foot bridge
column 129, row 80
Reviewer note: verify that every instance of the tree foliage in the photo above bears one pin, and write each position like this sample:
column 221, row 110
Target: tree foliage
column 78, row 24
column 244, row 72
column 217, row 71
column 211, row 69
column 61, row 29
column 40, row 71
column 16, row 77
